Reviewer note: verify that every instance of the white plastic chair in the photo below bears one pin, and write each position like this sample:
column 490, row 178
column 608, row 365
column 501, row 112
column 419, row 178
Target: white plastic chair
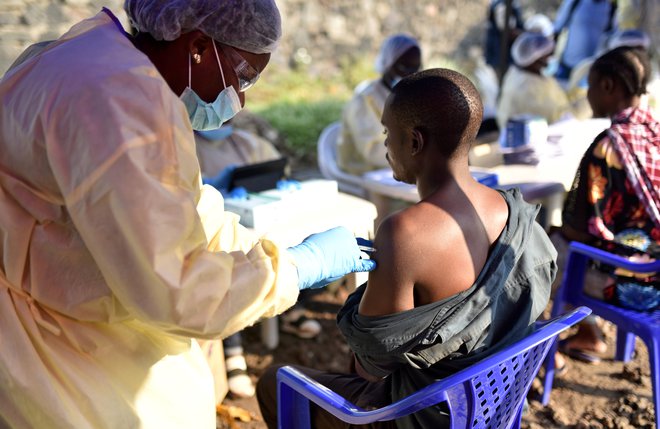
column 327, row 160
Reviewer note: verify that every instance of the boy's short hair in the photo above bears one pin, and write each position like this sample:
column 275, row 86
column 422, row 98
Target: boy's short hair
column 442, row 104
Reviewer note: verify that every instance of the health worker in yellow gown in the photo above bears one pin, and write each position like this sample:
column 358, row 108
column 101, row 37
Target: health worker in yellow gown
column 114, row 255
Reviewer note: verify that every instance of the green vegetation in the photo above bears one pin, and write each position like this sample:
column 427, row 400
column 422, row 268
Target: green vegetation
column 300, row 105
column 301, row 122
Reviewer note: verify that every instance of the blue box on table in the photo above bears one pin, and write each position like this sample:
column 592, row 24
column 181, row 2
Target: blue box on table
column 486, row 178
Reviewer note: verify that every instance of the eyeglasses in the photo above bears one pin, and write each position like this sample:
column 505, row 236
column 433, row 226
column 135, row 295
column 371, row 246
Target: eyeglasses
column 246, row 74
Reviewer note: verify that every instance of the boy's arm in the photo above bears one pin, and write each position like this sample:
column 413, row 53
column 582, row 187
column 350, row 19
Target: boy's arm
column 390, row 287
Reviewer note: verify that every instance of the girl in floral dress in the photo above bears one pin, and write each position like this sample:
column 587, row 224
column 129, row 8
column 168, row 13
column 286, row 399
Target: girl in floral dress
column 614, row 202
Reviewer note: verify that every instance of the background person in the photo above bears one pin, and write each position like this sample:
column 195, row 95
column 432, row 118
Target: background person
column 360, row 147
column 228, row 146
column 640, row 43
column 114, row 255
column 633, row 39
column 406, row 326
column 643, row 15
column 219, row 152
column 495, row 31
column 586, row 22
column 526, row 89
column 614, row 202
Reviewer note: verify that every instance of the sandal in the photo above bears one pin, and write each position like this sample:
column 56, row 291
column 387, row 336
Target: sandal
column 295, row 322
column 560, row 369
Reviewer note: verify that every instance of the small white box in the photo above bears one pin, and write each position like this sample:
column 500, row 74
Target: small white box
column 263, row 210
column 256, row 211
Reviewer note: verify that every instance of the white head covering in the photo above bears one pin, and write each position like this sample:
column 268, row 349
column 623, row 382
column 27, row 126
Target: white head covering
column 251, row 25
column 540, row 23
column 392, row 49
column 629, row 38
column 530, row 47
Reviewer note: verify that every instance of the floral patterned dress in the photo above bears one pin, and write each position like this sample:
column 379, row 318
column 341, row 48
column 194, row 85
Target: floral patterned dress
column 608, row 202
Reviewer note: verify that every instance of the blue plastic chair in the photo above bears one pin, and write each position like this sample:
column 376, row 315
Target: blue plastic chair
column 489, row 394
column 630, row 323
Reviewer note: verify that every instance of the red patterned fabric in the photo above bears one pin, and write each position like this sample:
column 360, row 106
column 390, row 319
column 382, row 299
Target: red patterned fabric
column 636, row 137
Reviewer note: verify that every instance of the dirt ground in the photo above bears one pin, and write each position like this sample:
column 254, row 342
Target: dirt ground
column 606, row 395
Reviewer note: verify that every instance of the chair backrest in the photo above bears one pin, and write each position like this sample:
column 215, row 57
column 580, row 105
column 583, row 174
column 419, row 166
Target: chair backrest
column 327, row 160
column 576, row 266
column 489, row 394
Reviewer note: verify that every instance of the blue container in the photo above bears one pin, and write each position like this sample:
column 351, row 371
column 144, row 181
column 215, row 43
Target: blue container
column 485, row 178
column 522, row 133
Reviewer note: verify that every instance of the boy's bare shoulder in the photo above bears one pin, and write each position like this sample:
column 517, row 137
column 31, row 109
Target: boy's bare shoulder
column 411, row 229
column 408, row 237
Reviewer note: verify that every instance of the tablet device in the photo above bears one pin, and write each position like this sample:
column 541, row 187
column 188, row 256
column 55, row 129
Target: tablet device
column 258, row 177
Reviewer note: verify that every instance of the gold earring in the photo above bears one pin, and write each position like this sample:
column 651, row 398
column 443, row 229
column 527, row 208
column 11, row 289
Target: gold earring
column 197, row 58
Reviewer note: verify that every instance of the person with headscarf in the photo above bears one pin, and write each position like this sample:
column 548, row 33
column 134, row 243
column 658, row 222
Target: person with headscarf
column 526, row 89
column 114, row 256
column 360, row 147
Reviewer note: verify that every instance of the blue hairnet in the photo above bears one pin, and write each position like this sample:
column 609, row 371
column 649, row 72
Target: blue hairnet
column 530, row 47
column 630, row 39
column 392, row 49
column 251, row 25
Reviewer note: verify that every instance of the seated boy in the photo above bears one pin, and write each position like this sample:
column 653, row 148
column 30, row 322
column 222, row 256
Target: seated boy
column 461, row 274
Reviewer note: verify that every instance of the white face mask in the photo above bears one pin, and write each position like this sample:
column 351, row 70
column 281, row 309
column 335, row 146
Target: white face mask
column 551, row 68
column 209, row 116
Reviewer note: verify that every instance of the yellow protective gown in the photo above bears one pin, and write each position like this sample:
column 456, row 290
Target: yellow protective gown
column 361, row 145
column 111, row 249
column 240, row 148
column 528, row 93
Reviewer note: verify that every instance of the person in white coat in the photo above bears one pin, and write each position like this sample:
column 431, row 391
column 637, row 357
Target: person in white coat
column 112, row 250
column 526, row 89
column 360, row 147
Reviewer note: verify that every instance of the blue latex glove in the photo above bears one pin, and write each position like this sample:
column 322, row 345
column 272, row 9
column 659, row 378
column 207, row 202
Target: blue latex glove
column 222, row 179
column 288, row 185
column 239, row 193
column 327, row 256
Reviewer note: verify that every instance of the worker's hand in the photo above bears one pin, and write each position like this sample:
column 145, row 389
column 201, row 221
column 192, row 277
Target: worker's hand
column 327, row 256
column 222, row 180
